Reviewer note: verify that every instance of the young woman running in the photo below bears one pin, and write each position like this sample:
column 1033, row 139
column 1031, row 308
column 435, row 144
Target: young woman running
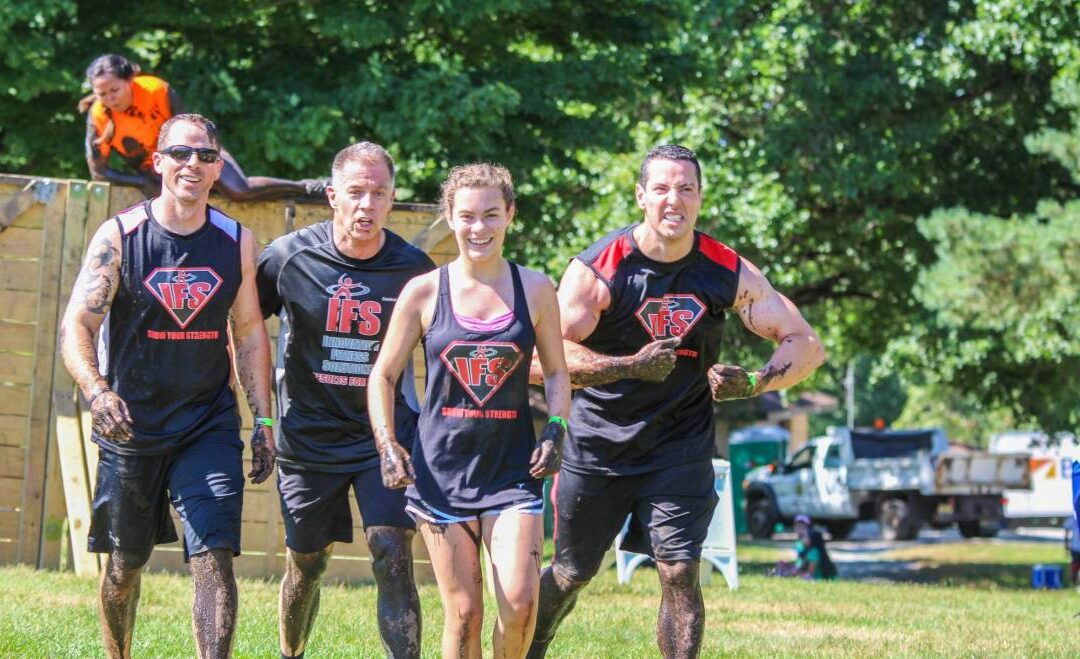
column 476, row 470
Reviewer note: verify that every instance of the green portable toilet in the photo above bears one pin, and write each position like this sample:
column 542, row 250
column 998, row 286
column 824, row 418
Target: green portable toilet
column 749, row 448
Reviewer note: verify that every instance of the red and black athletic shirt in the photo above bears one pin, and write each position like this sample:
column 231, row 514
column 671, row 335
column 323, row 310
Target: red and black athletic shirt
column 632, row 426
column 164, row 344
column 335, row 311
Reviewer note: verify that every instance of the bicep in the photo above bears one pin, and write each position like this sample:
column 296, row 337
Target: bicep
column 582, row 298
column 764, row 310
column 549, row 342
column 98, row 280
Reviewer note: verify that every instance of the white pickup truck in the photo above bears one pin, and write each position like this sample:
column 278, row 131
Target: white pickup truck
column 903, row 479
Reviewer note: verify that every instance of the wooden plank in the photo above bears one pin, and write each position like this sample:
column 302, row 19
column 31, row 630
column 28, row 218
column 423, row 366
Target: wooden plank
column 21, row 242
column 16, row 369
column 9, row 525
column 19, row 274
column 10, row 494
column 65, row 413
column 41, row 391
column 17, row 337
column 18, row 306
column 12, row 461
column 13, row 429
column 120, row 198
column 14, row 400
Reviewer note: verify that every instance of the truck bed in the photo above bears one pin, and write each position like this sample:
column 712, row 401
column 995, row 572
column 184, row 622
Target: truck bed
column 950, row 474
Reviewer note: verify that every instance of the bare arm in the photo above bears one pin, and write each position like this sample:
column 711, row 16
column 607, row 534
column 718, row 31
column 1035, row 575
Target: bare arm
column 90, row 301
column 252, row 349
column 582, row 298
column 544, row 307
column 404, row 332
column 770, row 315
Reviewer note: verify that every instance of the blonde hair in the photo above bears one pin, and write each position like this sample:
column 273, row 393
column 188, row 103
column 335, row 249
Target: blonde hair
column 475, row 175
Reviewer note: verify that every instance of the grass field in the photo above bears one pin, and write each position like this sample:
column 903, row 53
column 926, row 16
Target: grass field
column 980, row 605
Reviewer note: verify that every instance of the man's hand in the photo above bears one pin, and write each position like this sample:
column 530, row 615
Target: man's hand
column 547, row 456
column 263, row 454
column 728, row 381
column 110, row 416
column 396, row 465
column 654, row 362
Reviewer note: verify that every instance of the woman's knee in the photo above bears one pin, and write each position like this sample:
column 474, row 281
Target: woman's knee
column 466, row 613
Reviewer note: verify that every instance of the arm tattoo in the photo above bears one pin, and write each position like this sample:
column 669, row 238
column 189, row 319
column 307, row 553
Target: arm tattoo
column 100, row 276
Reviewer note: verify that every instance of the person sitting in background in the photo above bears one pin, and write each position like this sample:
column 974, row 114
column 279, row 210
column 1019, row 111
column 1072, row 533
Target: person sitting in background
column 124, row 113
column 812, row 559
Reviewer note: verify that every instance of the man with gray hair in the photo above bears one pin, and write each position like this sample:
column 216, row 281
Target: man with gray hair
column 334, row 285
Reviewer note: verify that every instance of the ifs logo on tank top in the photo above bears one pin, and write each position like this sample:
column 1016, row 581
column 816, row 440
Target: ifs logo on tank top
column 670, row 316
column 481, row 367
column 184, row 292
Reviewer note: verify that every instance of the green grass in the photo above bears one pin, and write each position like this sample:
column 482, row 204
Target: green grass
column 982, row 607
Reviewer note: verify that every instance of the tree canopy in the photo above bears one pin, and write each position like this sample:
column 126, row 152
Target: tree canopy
column 829, row 134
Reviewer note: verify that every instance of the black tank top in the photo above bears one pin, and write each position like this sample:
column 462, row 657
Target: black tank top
column 164, row 345
column 632, row 426
column 476, row 433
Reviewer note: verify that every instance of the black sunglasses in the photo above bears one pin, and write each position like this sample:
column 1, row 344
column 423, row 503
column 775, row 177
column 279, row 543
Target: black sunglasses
column 181, row 153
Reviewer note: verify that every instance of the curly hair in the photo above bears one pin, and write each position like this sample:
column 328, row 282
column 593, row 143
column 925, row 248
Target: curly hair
column 475, row 175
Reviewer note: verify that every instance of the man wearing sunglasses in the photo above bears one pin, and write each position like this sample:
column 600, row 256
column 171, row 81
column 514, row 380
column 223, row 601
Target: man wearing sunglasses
column 166, row 283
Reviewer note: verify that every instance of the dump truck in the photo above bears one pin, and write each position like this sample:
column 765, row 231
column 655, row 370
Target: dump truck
column 904, row 479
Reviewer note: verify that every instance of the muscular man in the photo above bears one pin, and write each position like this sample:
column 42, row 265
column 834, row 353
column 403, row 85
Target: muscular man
column 165, row 281
column 336, row 283
column 642, row 314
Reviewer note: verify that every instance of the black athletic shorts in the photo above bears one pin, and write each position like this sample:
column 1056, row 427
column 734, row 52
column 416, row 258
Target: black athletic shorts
column 315, row 506
column 670, row 513
column 204, row 481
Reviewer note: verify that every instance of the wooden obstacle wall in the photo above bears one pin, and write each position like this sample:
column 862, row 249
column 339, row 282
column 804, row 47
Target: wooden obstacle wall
column 47, row 460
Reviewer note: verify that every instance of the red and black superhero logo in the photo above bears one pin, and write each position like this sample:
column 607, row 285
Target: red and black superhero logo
column 184, row 292
column 344, row 311
column 481, row 368
column 671, row 315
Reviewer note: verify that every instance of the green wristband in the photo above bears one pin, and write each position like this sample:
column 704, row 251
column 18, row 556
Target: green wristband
column 751, row 385
column 263, row 421
column 559, row 420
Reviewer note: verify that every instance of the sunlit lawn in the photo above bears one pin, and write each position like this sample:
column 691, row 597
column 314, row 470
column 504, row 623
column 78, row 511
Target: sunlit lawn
column 986, row 608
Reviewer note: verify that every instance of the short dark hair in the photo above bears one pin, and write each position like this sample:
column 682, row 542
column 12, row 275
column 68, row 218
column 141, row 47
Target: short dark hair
column 110, row 64
column 191, row 118
column 668, row 152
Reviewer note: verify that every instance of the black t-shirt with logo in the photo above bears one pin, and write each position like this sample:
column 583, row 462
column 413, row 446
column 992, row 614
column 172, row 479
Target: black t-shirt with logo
column 632, row 426
column 335, row 310
column 164, row 345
